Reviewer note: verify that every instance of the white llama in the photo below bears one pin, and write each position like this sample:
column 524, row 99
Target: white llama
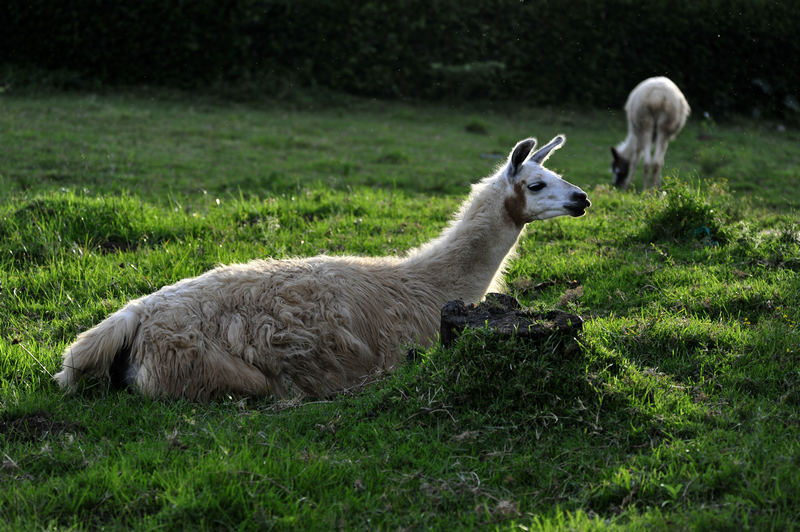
column 656, row 111
column 322, row 324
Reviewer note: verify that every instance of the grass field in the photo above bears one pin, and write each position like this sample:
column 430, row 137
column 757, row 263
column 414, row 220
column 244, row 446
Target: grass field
column 681, row 408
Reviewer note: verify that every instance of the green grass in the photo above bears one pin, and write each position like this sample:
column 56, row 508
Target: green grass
column 680, row 409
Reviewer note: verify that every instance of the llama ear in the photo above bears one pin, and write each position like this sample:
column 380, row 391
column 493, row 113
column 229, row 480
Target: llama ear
column 544, row 152
column 614, row 153
column 519, row 154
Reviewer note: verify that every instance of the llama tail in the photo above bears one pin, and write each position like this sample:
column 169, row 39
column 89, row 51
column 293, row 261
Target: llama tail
column 101, row 349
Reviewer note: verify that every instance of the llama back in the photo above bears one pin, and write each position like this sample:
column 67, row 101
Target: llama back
column 658, row 96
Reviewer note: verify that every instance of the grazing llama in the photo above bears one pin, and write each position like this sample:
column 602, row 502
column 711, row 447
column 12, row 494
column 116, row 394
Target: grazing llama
column 322, row 324
column 656, row 111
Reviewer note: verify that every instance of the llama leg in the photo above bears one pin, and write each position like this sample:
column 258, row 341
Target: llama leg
column 656, row 180
column 666, row 129
column 647, row 149
column 336, row 361
column 182, row 362
column 634, row 164
column 648, row 176
column 631, row 171
column 208, row 375
column 658, row 159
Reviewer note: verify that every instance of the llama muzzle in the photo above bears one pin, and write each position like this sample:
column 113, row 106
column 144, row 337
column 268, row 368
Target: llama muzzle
column 578, row 205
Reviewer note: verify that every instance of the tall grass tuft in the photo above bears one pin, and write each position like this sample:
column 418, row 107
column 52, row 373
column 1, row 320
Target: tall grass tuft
column 685, row 211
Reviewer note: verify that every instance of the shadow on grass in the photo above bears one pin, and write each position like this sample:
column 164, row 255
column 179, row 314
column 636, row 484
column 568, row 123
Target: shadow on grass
column 513, row 389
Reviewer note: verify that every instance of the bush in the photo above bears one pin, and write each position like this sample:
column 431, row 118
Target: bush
column 725, row 54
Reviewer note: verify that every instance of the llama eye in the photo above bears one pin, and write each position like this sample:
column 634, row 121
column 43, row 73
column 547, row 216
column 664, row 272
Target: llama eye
column 536, row 186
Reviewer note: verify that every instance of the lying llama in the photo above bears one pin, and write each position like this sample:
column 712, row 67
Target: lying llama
column 322, row 324
column 657, row 111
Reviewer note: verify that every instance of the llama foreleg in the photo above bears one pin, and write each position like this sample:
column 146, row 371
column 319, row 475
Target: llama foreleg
column 632, row 170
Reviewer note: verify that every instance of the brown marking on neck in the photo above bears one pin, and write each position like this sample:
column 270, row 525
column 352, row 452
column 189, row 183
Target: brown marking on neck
column 515, row 205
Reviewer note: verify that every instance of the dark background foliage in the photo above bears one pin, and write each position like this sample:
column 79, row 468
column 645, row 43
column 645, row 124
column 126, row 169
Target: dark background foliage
column 727, row 55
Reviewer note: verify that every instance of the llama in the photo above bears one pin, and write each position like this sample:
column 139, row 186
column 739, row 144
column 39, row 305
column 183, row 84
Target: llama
column 656, row 111
column 316, row 326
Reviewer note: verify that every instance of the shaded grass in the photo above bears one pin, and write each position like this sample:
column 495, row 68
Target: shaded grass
column 679, row 410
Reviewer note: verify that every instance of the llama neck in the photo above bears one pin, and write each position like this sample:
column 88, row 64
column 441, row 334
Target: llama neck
column 627, row 147
column 467, row 259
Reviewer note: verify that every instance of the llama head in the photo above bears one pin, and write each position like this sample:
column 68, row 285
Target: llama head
column 620, row 167
column 536, row 193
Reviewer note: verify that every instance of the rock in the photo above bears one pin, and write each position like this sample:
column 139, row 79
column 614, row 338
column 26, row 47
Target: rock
column 503, row 314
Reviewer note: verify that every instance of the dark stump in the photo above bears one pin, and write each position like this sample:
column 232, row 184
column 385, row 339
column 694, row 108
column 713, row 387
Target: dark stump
column 502, row 314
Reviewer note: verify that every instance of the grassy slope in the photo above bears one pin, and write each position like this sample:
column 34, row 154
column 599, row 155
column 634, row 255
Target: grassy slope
column 681, row 408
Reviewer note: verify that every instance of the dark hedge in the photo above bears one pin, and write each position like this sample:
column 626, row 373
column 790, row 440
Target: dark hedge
column 727, row 55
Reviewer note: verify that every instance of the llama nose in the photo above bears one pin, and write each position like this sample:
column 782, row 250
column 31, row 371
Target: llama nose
column 581, row 197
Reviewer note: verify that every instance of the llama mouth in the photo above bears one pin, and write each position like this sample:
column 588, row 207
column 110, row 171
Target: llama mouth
column 577, row 209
